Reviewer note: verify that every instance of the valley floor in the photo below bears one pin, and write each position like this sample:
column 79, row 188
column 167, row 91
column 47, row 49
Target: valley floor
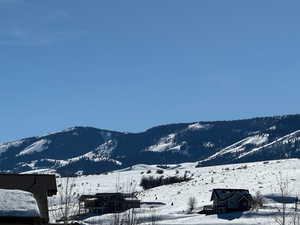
column 168, row 204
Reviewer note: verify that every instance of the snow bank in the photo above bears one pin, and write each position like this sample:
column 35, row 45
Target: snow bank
column 18, row 203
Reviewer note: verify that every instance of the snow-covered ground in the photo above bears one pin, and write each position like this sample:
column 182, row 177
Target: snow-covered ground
column 169, row 202
column 18, row 203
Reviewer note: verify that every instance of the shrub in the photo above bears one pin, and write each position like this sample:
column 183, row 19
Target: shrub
column 151, row 182
column 257, row 201
column 159, row 171
column 186, row 173
column 242, row 167
column 148, row 171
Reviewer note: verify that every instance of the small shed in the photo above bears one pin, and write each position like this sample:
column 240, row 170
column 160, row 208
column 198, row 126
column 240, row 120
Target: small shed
column 102, row 203
column 228, row 200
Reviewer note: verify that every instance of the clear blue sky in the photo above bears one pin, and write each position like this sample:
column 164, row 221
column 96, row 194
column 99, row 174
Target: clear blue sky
column 130, row 65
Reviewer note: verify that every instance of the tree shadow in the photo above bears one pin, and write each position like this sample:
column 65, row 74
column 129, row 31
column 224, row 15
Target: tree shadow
column 282, row 199
column 265, row 214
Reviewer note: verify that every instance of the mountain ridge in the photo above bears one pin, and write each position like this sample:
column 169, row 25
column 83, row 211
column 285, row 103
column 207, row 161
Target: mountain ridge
column 90, row 150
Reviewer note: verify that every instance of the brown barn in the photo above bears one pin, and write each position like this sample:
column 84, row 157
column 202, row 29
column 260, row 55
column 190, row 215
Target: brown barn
column 41, row 187
column 102, row 203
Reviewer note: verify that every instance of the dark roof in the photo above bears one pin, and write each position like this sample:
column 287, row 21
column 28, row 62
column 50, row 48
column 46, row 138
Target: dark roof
column 100, row 195
column 229, row 189
column 215, row 192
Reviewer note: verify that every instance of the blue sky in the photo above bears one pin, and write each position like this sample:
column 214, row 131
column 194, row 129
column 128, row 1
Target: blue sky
column 130, row 65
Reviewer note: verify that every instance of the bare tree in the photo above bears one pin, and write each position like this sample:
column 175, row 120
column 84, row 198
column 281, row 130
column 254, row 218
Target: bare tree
column 191, row 204
column 153, row 217
column 129, row 217
column 283, row 191
column 286, row 216
column 257, row 201
column 65, row 204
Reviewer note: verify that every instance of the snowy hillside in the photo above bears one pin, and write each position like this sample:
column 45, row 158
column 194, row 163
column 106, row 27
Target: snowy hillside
column 255, row 148
column 87, row 150
column 169, row 202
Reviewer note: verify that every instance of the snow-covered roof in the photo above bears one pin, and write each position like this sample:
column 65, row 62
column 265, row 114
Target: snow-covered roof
column 18, row 203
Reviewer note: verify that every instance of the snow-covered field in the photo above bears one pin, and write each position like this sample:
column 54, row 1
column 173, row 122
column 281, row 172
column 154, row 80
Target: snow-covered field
column 18, row 203
column 169, row 202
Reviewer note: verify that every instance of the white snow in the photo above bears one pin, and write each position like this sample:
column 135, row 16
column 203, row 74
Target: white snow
column 198, row 126
column 66, row 130
column 240, row 147
column 41, row 171
column 257, row 139
column 167, row 143
column 106, row 135
column 208, row 144
column 56, row 163
column 18, row 203
column 4, row 147
column 105, row 150
column 273, row 128
column 101, row 153
column 259, row 176
column 290, row 138
column 163, row 144
column 260, row 142
column 37, row 146
column 29, row 164
column 63, row 131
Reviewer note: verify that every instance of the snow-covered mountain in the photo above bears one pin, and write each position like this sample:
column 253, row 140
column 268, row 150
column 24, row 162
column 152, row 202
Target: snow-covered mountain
column 87, row 150
column 257, row 148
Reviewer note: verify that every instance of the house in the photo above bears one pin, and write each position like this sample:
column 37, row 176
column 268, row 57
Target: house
column 228, row 200
column 32, row 205
column 102, row 203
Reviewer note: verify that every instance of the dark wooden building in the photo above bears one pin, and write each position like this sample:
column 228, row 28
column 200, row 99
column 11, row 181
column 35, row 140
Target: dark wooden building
column 228, row 200
column 102, row 203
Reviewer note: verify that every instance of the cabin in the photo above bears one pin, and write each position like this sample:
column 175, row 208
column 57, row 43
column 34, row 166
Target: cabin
column 26, row 194
column 228, row 200
column 103, row 203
